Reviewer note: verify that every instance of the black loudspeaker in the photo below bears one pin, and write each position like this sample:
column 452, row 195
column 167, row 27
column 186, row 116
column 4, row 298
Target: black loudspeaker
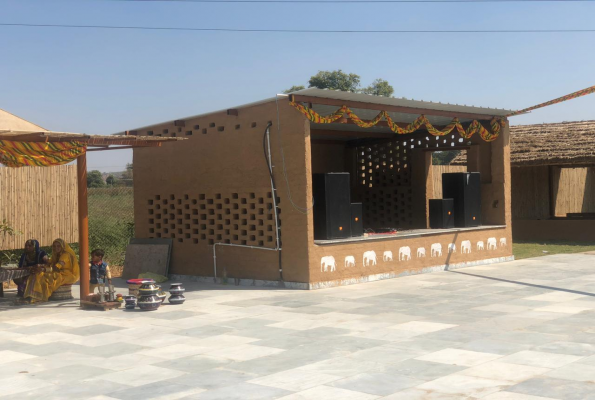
column 332, row 206
column 465, row 189
column 357, row 224
column 442, row 213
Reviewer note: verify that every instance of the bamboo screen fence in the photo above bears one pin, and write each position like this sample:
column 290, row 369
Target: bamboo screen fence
column 574, row 189
column 39, row 202
column 530, row 193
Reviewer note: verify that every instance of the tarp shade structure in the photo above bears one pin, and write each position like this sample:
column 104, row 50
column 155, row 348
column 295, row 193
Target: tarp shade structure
column 46, row 148
column 39, row 154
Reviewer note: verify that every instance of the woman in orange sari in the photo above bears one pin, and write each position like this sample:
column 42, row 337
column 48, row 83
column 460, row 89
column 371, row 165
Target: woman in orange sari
column 63, row 269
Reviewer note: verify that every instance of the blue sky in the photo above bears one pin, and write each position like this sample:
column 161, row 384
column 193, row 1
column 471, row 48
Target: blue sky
column 105, row 81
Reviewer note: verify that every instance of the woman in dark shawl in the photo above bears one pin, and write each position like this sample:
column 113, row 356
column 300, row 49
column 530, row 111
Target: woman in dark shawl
column 31, row 258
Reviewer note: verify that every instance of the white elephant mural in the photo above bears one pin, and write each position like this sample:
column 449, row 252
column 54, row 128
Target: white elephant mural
column 326, row 262
column 369, row 258
column 404, row 253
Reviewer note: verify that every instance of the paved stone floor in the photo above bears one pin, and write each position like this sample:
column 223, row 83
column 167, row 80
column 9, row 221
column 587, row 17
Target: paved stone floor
column 520, row 330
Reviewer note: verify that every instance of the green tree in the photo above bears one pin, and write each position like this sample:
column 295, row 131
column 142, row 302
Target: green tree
column 379, row 87
column 128, row 173
column 335, row 80
column 95, row 180
column 294, row 88
column 444, row 157
column 111, row 180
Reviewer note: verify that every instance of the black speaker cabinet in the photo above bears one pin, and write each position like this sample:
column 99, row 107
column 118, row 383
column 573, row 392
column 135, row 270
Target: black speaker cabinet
column 357, row 224
column 442, row 213
column 332, row 206
column 465, row 189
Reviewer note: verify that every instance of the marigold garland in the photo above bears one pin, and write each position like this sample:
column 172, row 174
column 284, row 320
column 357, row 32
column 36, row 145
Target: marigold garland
column 42, row 154
column 475, row 126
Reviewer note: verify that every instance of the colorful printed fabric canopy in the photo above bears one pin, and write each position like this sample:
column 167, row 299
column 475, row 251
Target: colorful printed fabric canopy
column 41, row 154
column 473, row 128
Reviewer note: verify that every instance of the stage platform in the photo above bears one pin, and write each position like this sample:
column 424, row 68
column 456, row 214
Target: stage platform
column 411, row 233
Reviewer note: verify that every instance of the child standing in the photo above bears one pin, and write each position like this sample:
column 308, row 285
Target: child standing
column 99, row 270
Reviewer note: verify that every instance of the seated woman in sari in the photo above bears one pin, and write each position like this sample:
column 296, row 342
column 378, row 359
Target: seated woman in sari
column 31, row 258
column 63, row 269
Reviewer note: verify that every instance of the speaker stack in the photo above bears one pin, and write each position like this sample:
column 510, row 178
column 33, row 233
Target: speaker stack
column 464, row 188
column 334, row 215
column 442, row 213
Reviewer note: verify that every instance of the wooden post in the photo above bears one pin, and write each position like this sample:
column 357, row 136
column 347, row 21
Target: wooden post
column 81, row 169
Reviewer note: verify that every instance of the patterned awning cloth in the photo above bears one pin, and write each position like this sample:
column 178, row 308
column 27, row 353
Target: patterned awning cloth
column 40, row 154
column 475, row 127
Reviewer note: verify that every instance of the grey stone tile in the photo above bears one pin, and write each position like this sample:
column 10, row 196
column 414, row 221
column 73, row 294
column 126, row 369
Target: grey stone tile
column 552, row 327
column 294, row 304
column 575, row 372
column 38, row 329
column 571, row 348
column 555, row 388
column 241, row 391
column 347, row 343
column 322, row 332
column 246, row 323
column 587, row 360
column 12, row 345
column 315, row 310
column 376, row 383
column 248, row 303
column 283, row 342
column 384, row 354
column 194, row 364
column 425, row 370
column 71, row 373
column 494, row 346
column 111, row 350
column 206, row 331
column 424, row 346
column 530, row 338
column 93, row 330
column 264, row 332
column 289, row 359
column 213, row 378
column 457, row 334
column 173, row 315
column 162, row 389
column 51, row 348
column 581, row 337
column 70, row 390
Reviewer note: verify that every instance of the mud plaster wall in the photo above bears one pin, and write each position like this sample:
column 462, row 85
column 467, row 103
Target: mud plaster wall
column 492, row 160
column 328, row 158
column 214, row 187
column 404, row 254
column 554, row 229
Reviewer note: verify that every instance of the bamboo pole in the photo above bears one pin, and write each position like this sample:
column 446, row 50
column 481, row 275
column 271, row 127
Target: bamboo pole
column 81, row 169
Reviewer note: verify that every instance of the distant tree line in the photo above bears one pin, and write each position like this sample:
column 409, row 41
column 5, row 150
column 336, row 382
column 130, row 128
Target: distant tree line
column 339, row 80
column 95, row 178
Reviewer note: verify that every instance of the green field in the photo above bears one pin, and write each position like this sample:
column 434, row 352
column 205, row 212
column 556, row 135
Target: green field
column 532, row 249
column 111, row 221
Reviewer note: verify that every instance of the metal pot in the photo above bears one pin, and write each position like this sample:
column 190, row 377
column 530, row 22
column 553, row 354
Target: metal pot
column 149, row 302
column 176, row 299
column 148, row 289
column 176, row 288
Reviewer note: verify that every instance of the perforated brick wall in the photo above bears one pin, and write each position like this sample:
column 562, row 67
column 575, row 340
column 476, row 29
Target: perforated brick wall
column 384, row 178
column 239, row 218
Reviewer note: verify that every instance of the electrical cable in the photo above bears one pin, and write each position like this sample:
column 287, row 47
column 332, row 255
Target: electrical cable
column 273, row 194
column 354, row 1
column 303, row 210
column 155, row 28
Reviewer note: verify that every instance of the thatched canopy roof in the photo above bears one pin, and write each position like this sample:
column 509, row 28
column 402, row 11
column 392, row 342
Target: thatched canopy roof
column 564, row 143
